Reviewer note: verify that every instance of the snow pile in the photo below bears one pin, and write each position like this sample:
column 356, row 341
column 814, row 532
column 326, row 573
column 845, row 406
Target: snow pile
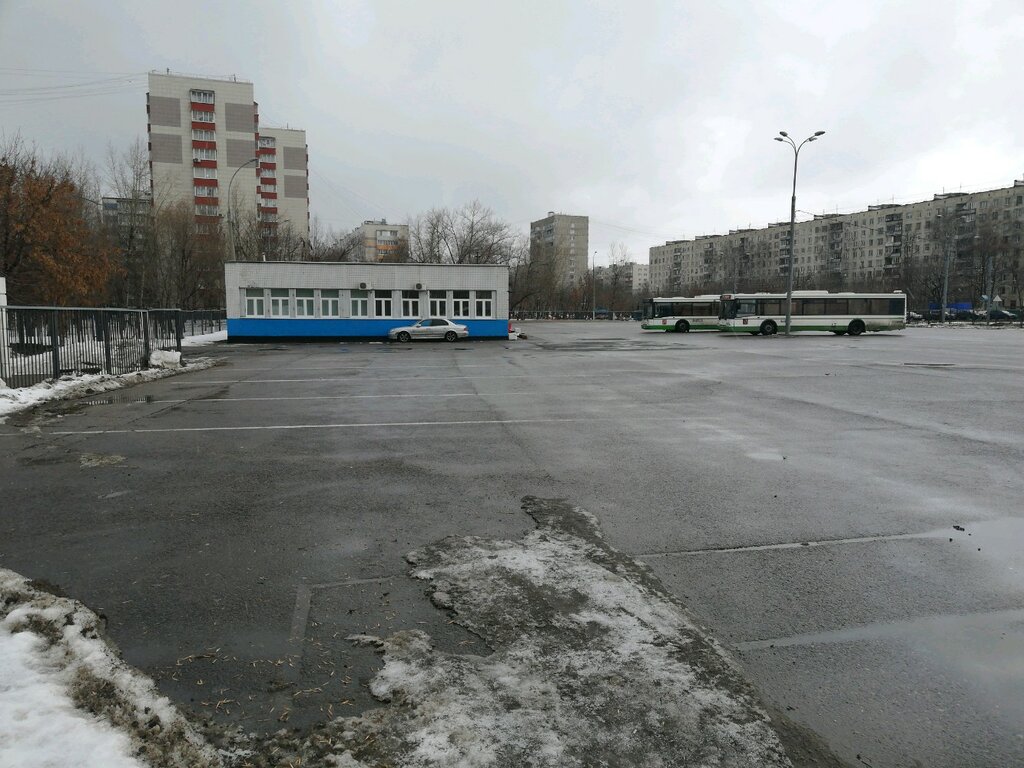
column 67, row 387
column 163, row 358
column 203, row 339
column 67, row 699
column 593, row 664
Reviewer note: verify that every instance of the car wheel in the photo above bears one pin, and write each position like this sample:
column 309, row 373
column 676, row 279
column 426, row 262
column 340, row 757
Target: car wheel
column 682, row 327
column 404, row 337
column 856, row 328
column 769, row 328
column 451, row 336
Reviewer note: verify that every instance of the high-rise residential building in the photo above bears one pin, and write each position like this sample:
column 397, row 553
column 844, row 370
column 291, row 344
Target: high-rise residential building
column 283, row 180
column 206, row 150
column 380, row 241
column 889, row 245
column 562, row 242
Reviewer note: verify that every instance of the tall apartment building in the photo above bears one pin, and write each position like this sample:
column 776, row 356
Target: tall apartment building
column 205, row 144
column 883, row 244
column 380, row 241
column 563, row 242
column 283, row 180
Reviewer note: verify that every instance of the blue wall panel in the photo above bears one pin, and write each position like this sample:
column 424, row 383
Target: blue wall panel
column 299, row 327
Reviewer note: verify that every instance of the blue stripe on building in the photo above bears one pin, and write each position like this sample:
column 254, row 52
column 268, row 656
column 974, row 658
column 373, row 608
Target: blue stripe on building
column 344, row 328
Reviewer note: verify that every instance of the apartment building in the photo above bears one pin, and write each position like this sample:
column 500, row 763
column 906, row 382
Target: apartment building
column 562, row 242
column 380, row 241
column 283, row 174
column 629, row 276
column 883, row 244
column 206, row 149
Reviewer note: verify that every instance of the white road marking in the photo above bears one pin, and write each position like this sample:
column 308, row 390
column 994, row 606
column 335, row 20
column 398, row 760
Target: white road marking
column 355, row 425
column 422, row 378
column 329, row 397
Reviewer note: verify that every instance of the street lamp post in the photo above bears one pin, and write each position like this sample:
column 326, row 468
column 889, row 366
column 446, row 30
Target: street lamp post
column 593, row 285
column 945, row 268
column 784, row 137
column 231, row 228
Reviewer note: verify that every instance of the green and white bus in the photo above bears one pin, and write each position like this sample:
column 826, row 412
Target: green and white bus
column 840, row 313
column 681, row 314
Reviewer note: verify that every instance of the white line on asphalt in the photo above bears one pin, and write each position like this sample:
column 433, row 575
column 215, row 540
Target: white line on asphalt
column 794, row 544
column 328, row 397
column 359, row 367
column 934, row 625
column 423, row 378
column 355, row 425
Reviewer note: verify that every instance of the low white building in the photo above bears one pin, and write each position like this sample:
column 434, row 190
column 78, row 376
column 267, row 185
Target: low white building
column 311, row 300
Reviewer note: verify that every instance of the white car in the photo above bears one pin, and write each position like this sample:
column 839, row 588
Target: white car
column 429, row 328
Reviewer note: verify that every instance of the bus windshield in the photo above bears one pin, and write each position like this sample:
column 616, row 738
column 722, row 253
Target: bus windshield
column 733, row 308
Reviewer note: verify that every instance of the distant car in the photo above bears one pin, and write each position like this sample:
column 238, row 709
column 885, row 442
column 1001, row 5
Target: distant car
column 914, row 317
column 1001, row 316
column 429, row 328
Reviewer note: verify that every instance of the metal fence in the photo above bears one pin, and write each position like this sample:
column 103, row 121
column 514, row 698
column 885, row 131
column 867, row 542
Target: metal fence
column 39, row 343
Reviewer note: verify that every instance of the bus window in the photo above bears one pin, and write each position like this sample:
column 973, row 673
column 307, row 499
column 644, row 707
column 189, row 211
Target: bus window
column 860, row 306
column 879, row 306
column 838, row 306
column 701, row 309
column 771, row 307
column 898, row 306
column 814, row 306
column 746, row 307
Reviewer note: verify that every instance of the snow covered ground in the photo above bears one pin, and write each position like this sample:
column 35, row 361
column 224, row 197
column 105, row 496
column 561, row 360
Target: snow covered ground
column 68, row 700
column 591, row 663
column 204, row 339
column 66, row 387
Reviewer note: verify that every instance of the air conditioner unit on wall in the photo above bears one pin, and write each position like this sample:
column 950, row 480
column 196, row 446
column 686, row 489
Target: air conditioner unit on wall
column 363, row 286
column 419, row 286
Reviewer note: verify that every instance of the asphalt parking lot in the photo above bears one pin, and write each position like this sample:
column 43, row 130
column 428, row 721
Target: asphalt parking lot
column 842, row 514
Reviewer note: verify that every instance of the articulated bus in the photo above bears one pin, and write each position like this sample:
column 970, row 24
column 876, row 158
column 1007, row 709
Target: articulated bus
column 840, row 313
column 681, row 314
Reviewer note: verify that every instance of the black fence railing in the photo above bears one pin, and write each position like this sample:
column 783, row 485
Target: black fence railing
column 562, row 314
column 39, row 343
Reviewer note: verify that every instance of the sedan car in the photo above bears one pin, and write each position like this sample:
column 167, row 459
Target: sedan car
column 429, row 328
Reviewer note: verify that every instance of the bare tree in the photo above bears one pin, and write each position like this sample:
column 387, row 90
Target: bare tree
column 467, row 235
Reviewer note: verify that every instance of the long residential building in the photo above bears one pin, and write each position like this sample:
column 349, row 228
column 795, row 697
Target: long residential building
column 889, row 245
column 561, row 242
column 207, row 150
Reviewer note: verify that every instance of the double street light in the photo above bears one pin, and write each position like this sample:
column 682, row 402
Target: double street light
column 784, row 137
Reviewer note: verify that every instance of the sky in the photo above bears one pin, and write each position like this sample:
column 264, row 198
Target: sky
column 655, row 119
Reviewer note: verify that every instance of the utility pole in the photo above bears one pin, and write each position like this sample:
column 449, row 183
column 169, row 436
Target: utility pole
column 231, row 227
column 593, row 281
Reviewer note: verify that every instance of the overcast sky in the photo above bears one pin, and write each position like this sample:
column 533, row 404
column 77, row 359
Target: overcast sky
column 654, row 119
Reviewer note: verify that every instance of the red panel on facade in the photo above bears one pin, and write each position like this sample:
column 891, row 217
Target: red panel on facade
column 204, row 163
column 268, row 166
column 268, row 180
column 205, row 182
column 201, row 106
column 203, row 126
column 203, row 144
column 268, row 195
column 207, row 200
column 266, row 151
column 207, row 219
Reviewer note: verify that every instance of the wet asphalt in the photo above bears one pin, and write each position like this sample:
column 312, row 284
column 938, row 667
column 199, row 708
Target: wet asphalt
column 842, row 514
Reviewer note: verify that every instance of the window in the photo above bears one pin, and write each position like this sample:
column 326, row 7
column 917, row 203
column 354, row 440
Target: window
column 198, row 134
column 279, row 302
column 330, row 303
column 360, row 304
column 205, row 191
column 304, row 302
column 382, row 303
column 438, row 304
column 268, row 188
column 267, row 141
column 254, row 306
column 207, row 210
column 484, row 304
column 268, row 217
column 201, row 116
column 202, row 97
column 204, row 173
column 410, row 303
column 460, row 303
column 265, row 172
column 203, row 154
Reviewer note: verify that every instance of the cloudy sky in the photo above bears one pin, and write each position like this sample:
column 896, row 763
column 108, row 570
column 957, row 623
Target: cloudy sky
column 653, row 118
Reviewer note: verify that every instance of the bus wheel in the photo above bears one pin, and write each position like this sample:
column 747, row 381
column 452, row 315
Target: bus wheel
column 856, row 328
column 839, row 333
column 682, row 327
column 769, row 328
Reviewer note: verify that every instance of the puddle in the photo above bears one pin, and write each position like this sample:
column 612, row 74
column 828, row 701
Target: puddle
column 100, row 459
column 117, row 400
